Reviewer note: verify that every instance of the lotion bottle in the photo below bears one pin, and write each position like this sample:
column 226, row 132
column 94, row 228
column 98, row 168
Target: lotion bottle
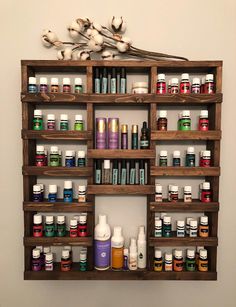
column 133, row 255
column 142, row 254
column 117, row 249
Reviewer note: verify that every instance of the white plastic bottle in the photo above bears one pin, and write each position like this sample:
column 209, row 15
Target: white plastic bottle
column 133, row 255
column 117, row 249
column 102, row 244
column 142, row 243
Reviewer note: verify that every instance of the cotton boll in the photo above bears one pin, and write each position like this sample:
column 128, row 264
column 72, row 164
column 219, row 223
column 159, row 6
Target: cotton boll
column 85, row 22
column 48, row 38
column 45, row 41
column 60, row 55
column 59, row 45
column 52, row 36
column 127, row 40
column 93, row 46
column 97, row 26
column 98, row 39
column 122, row 47
column 67, row 54
column 84, row 55
column 75, row 26
column 117, row 24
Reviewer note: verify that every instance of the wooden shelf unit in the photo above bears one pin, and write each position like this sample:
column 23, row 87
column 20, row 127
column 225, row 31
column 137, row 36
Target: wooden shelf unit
column 152, row 101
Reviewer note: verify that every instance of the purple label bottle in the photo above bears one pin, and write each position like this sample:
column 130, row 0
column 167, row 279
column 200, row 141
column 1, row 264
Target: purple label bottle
column 102, row 254
column 101, row 133
column 124, row 136
column 113, row 133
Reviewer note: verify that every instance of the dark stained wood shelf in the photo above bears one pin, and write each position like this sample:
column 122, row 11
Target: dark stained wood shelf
column 56, row 135
column 184, row 171
column 58, row 241
column 122, row 153
column 180, row 206
column 186, row 241
column 185, row 135
column 59, row 206
column 120, row 189
column 59, row 171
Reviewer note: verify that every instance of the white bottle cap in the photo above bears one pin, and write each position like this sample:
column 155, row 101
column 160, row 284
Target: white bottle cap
column 158, row 188
column 163, row 214
column 196, row 81
column 43, row 80
column 102, row 219
column 46, row 249
column 163, row 114
column 82, row 188
column 185, row 113
column 167, row 219
column 54, row 81
column 81, row 154
column 83, row 218
column 126, row 252
column 133, row 246
column 206, row 185
column 40, row 248
column 52, row 188
column 60, row 219
column 158, row 253
column 65, row 253
column 68, row 248
column 178, row 253
column 203, row 253
column 66, row 81
column 190, row 253
column 51, row 116
column 161, row 77
column 67, row 184
column 78, row 117
column 193, row 223
column 168, row 256
column 174, row 81
column 176, row 154
column 140, row 84
column 38, row 219
column 204, row 114
column 174, row 188
column 206, row 153
column 36, row 188
column 180, row 223
column 198, row 248
column 188, row 188
column 54, row 149
column 204, row 219
column 38, row 113
column 117, row 231
column 163, row 153
column 190, row 150
column 107, row 164
column 49, row 219
column 158, row 222
column 41, row 186
column 32, row 80
column 39, row 148
column 73, row 222
column 69, row 153
column 36, row 253
column 209, row 78
column 188, row 219
column 185, row 76
column 64, row 117
column 49, row 257
column 78, row 81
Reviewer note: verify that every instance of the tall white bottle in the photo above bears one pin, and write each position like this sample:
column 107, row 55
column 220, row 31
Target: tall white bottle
column 102, row 244
column 133, row 255
column 142, row 248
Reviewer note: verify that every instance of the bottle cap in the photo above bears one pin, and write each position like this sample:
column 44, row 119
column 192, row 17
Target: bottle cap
column 38, row 219
column 64, row 117
column 49, row 219
column 198, row 248
column 43, row 80
column 107, row 164
column 196, row 81
column 82, row 218
column 46, row 249
column 158, row 222
column 65, row 253
column 178, row 253
column 36, row 253
column 78, row 81
column 54, row 149
column 206, row 153
column 209, row 78
column 188, row 188
column 52, row 188
column 167, row 219
column 60, row 219
column 174, row 81
column 54, row 81
column 39, row 148
column 133, row 246
column 203, row 253
column 186, row 113
column 204, row 114
column 67, row 184
column 78, row 117
column 117, row 231
column 176, row 154
column 82, row 188
column 190, row 150
column 193, row 223
column 66, row 81
column 69, row 153
column 163, row 114
column 83, row 255
column 73, row 222
column 38, row 113
column 185, row 76
column 68, row 248
column 81, row 154
column 126, row 252
column 158, row 188
column 41, row 186
column 174, row 188
column 188, row 219
column 206, row 185
column 163, row 153
column 124, row 128
column 102, row 219
column 36, row 188
column 48, row 257
column 190, row 253
column 40, row 248
column 140, row 84
column 32, row 80
column 204, row 220
column 51, row 116
column 180, row 223
column 168, row 256
column 158, row 253
column 161, row 77
column 134, row 128
column 163, row 214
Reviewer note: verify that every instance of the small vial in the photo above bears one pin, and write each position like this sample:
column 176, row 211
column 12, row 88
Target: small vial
column 203, row 261
column 190, row 260
column 169, row 87
column 158, row 193
column 158, row 227
column 37, row 193
column 203, row 85
column 73, row 228
column 54, row 156
column 166, row 229
column 126, row 259
column 81, row 159
column 168, row 262
column 178, row 263
column 61, row 226
column 41, row 191
column 43, row 85
column 78, row 86
column 79, row 123
column 158, row 262
column 174, row 86
column 40, row 156
column 32, row 87
column 180, row 229
column 37, row 226
column 54, row 85
column 162, row 121
column 38, row 120
column 64, row 123
column 82, row 225
column 36, row 261
column 49, row 262
column 190, row 157
column 163, row 158
column 52, row 195
column 82, row 194
column 176, row 158
column 51, row 122
column 203, row 227
column 198, row 254
column 196, row 86
column 185, row 121
column 65, row 261
column 161, row 84
column 193, row 228
column 209, row 85
column 49, row 228
column 106, row 172
column 206, row 193
column 83, row 260
column 66, row 85
column 185, row 84
column 68, row 191
column 187, row 194
column 203, row 124
column 205, row 158
column 69, row 158
column 174, row 193
column 188, row 219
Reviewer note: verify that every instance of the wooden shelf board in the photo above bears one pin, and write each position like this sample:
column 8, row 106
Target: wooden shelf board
column 180, row 206
column 60, row 171
column 184, row 171
column 58, row 241
column 56, row 135
column 185, row 135
column 122, row 153
column 186, row 241
column 120, row 189
column 59, row 206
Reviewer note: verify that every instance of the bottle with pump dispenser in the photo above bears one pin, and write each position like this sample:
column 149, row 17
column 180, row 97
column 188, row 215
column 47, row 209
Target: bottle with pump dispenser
column 117, row 249
column 133, row 255
column 142, row 243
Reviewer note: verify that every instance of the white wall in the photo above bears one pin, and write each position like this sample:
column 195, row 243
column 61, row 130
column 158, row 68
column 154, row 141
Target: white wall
column 199, row 30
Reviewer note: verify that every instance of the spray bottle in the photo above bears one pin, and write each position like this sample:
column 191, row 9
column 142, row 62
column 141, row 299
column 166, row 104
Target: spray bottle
column 117, row 249
column 142, row 255
column 133, row 255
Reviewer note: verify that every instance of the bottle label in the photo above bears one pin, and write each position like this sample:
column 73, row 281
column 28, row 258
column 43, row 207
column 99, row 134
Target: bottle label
column 78, row 89
column 158, row 265
column 82, row 230
column 64, row 126
column 206, row 196
column 83, row 265
column 36, row 265
column 203, row 124
column 115, row 176
column 117, row 258
column 113, row 86
column 37, row 124
column 66, row 88
column 49, row 266
column 134, row 140
column 185, row 124
column 69, row 162
column 73, row 232
column 184, row 88
column 98, row 176
column 124, row 141
column 79, row 126
column 97, row 86
column 32, row 88
column 174, row 89
column 141, row 176
column 196, row 89
column 113, row 140
column 61, row 230
column 43, row 88
column 51, row 125
column 190, row 160
column 122, row 85
column 180, row 233
column 144, row 144
column 176, row 161
column 123, row 176
column 54, row 88
column 190, row 265
column 49, row 230
column 209, row 88
column 65, row 265
column 40, row 160
column 132, row 176
column 205, row 162
column 163, row 161
column 161, row 87
column 81, row 162
column 37, row 230
column 166, row 230
column 104, row 85
column 100, row 140
column 37, row 196
column 54, row 160
column 102, row 255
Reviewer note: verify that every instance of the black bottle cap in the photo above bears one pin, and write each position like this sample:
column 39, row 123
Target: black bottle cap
column 141, row 164
column 123, row 164
column 97, row 73
column 115, row 164
column 123, row 73
column 105, row 72
column 113, row 72
column 132, row 164
column 98, row 164
column 145, row 125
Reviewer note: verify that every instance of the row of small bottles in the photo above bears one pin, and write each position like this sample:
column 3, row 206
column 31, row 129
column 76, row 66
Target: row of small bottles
column 43, row 259
column 121, row 172
column 107, row 135
column 194, row 261
column 190, row 158
column 51, row 124
column 38, row 193
column 43, row 86
column 205, row 193
column 192, row 228
column 207, row 86
column 184, row 121
column 77, row 226
column 55, row 157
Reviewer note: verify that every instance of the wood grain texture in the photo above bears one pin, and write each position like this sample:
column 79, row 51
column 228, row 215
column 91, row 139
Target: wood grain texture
column 58, row 241
column 54, row 171
column 56, row 135
column 180, row 206
column 185, row 135
column 186, row 241
column 59, row 206
column 185, row 171
column 121, row 153
column 120, row 189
